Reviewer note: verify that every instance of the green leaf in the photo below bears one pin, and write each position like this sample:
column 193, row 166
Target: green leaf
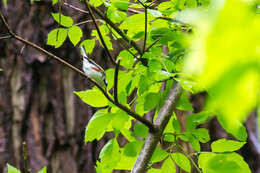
column 115, row 15
column 224, row 145
column 110, row 149
column 176, row 125
column 97, row 125
column 94, row 97
column 133, row 148
column 168, row 166
column 201, row 134
column 196, row 119
column 62, row 20
column 143, row 85
column 151, row 100
column 12, row 169
column 96, row 3
column 236, row 128
column 56, row 37
column 141, row 130
column 43, row 170
column 121, row 120
column 54, row 2
column 1, row 69
column 122, row 4
column 182, row 161
column 75, row 34
column 127, row 60
column 154, row 65
column 89, row 45
column 224, row 163
column 184, row 103
column 158, row 155
column 229, row 70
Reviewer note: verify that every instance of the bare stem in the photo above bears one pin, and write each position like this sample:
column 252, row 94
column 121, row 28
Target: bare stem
column 26, row 159
column 75, row 8
column 116, row 80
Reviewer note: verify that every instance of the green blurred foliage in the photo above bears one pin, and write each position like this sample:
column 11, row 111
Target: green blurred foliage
column 225, row 59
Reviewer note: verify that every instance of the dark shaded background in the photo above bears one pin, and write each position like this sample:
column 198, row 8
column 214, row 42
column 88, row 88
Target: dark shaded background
column 37, row 104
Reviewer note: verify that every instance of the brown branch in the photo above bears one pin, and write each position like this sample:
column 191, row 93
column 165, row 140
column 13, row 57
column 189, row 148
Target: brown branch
column 116, row 80
column 141, row 3
column 153, row 43
column 161, row 121
column 75, row 8
column 119, row 31
column 138, row 117
column 27, row 168
column 99, row 33
column 5, row 37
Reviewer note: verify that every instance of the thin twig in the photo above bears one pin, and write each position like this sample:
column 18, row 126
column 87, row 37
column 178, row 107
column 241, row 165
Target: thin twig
column 88, row 21
column 153, row 43
column 75, row 8
column 116, row 80
column 145, row 29
column 99, row 33
column 138, row 117
column 151, row 4
column 187, row 155
column 117, row 29
column 5, row 37
column 27, row 168
column 141, row 3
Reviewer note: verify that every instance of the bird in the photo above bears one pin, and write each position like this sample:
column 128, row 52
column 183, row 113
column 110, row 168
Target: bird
column 93, row 70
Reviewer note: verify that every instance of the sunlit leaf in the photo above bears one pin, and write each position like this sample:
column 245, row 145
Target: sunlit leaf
column 224, row 145
column 63, row 20
column 88, row 45
column 93, row 97
column 75, row 34
column 57, row 37
column 182, row 161
column 12, row 169
column 43, row 170
column 97, row 125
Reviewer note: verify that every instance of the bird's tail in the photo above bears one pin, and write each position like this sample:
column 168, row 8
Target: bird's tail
column 83, row 52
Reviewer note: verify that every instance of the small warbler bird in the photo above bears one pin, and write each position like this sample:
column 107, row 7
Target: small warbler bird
column 93, row 70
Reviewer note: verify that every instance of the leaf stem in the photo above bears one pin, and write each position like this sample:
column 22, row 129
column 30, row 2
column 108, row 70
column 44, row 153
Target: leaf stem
column 26, row 159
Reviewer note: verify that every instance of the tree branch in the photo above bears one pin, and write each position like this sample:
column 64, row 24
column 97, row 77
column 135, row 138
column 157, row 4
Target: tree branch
column 161, row 121
column 75, row 8
column 99, row 33
column 146, row 122
column 116, row 80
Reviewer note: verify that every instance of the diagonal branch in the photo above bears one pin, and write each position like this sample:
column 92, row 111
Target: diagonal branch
column 161, row 121
column 133, row 114
column 99, row 33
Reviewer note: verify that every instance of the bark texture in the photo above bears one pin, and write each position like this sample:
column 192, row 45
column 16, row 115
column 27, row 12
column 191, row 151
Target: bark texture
column 37, row 104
